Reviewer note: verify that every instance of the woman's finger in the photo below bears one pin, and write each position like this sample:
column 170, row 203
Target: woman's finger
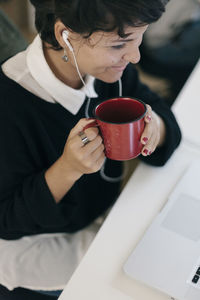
column 150, row 146
column 148, row 116
column 147, row 133
column 151, row 135
column 79, row 127
column 97, row 153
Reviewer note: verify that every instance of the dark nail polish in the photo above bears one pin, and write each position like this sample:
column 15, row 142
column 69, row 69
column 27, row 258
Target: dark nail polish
column 145, row 151
column 145, row 139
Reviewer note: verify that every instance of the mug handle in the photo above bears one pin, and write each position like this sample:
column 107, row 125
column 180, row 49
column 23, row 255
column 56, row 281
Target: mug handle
column 92, row 124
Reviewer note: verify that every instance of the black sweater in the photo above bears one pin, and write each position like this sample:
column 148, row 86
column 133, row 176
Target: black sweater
column 33, row 133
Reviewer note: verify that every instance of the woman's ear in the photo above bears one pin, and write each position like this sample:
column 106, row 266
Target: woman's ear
column 70, row 39
column 59, row 27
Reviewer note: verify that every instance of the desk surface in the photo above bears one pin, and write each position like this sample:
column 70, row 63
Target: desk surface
column 100, row 275
column 187, row 108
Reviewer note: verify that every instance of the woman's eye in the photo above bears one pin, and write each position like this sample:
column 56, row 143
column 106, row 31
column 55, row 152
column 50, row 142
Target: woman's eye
column 118, row 46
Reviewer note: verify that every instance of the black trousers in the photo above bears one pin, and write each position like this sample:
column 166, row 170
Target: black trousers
column 22, row 294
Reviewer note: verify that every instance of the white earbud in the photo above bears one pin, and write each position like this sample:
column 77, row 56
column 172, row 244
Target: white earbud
column 65, row 35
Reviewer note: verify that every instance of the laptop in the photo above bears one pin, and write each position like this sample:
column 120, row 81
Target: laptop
column 167, row 258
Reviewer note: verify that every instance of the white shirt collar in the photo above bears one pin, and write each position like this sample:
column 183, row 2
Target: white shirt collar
column 68, row 97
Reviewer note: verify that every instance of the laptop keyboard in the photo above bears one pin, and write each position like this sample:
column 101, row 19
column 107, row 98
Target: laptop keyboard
column 196, row 277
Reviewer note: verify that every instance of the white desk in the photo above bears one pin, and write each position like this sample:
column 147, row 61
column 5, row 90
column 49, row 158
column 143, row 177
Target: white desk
column 100, row 275
column 187, row 108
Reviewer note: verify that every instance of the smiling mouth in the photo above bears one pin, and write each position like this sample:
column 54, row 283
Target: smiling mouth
column 120, row 68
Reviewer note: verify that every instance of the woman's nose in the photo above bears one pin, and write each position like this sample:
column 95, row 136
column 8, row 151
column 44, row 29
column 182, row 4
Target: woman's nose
column 133, row 56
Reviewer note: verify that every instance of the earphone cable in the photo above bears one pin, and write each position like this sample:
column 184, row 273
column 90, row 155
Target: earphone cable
column 102, row 170
column 77, row 68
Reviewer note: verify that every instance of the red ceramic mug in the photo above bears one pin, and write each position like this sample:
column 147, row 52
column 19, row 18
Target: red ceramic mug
column 121, row 123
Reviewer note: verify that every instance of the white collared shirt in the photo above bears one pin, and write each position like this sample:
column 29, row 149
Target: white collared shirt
column 45, row 261
column 28, row 68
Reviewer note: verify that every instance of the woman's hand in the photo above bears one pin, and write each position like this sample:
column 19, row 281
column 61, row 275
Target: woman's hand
column 77, row 159
column 154, row 132
column 82, row 158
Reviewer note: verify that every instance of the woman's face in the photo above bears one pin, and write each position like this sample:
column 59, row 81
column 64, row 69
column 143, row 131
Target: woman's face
column 106, row 55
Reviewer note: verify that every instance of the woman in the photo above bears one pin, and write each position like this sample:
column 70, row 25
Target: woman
column 52, row 190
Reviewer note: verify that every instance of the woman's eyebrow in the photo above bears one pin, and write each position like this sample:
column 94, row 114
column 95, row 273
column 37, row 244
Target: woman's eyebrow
column 119, row 39
column 122, row 40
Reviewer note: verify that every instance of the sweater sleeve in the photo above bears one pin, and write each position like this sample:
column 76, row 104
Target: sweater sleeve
column 26, row 204
column 133, row 87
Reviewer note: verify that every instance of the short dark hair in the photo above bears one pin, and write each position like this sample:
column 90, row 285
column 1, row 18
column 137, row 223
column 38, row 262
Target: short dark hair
column 88, row 16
